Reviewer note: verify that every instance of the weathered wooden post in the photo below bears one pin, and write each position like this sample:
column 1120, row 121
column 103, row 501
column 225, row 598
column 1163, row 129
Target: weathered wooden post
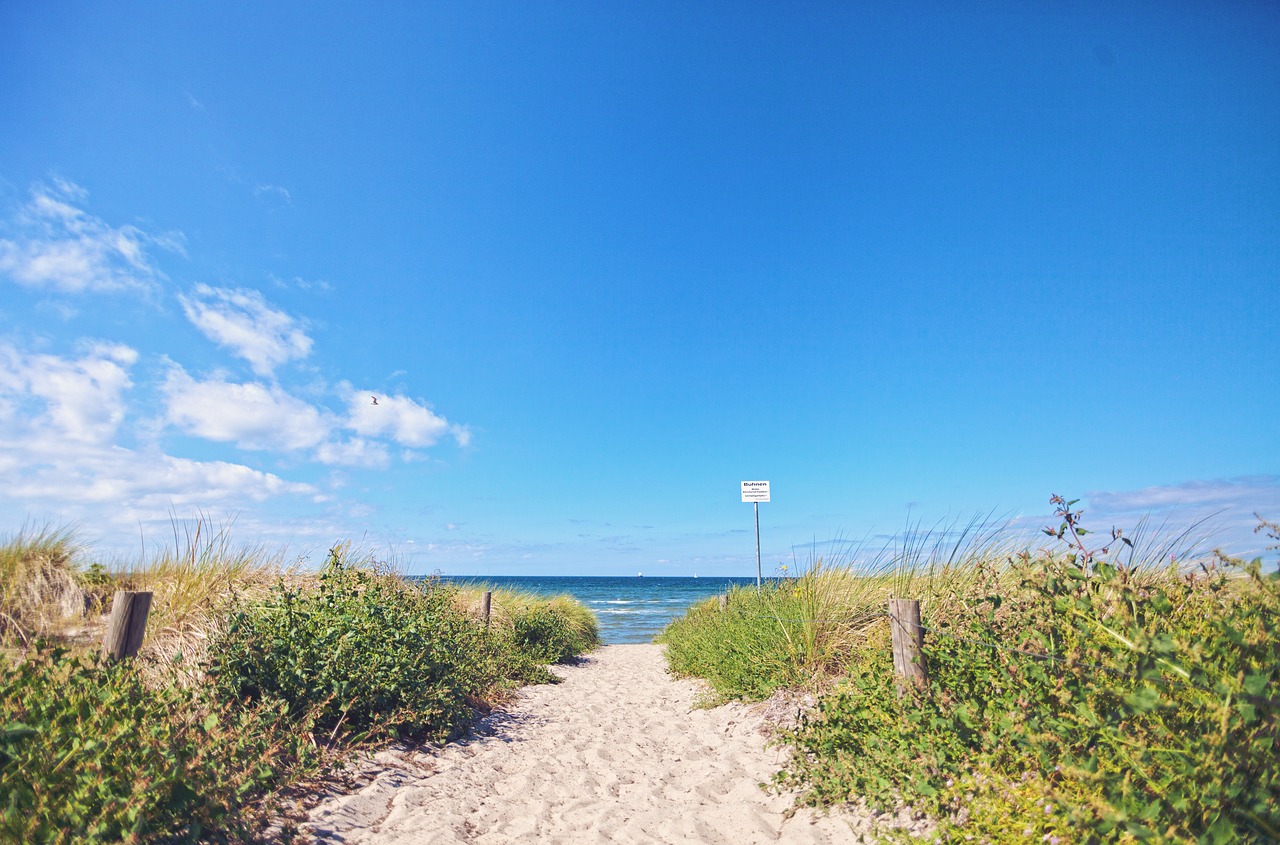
column 908, row 639
column 723, row 602
column 488, row 598
column 128, row 623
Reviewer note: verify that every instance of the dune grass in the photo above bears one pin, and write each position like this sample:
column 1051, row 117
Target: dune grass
column 550, row 629
column 1118, row 691
column 40, row 591
column 803, row 631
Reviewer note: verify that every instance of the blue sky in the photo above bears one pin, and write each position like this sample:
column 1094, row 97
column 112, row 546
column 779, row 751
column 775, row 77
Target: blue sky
column 602, row 262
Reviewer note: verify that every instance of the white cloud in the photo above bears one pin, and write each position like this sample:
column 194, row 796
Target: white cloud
column 42, row 472
column 59, row 423
column 242, row 322
column 258, row 416
column 58, row 246
column 301, row 283
column 81, row 399
column 251, row 415
column 400, row 419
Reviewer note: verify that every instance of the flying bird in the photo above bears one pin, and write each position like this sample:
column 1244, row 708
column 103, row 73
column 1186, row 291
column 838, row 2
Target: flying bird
column 375, row 399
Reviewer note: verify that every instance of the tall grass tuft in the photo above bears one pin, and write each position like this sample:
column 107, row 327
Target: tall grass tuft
column 194, row 581
column 40, row 594
column 547, row 629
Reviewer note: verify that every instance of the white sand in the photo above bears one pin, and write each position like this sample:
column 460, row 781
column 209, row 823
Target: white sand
column 615, row 753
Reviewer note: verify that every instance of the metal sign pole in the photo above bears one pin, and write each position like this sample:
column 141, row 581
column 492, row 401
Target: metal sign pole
column 756, row 492
column 757, row 504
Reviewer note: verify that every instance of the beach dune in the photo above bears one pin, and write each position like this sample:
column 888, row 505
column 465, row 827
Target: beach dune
column 616, row 753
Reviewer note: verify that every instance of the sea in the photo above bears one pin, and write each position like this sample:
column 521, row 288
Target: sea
column 631, row 609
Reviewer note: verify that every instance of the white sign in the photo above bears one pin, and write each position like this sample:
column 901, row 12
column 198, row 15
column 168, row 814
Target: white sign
column 755, row 491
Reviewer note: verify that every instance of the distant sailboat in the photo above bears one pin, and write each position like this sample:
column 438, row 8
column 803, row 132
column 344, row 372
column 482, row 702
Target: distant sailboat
column 695, row 575
column 639, row 574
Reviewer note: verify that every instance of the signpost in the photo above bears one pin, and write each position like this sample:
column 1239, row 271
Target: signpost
column 756, row 492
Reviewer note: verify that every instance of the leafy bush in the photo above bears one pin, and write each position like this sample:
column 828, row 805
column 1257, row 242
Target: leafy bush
column 367, row 651
column 1143, row 708
column 90, row 753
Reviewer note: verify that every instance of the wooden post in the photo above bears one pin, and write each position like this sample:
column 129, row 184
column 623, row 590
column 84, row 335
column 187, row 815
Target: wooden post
column 908, row 638
column 724, row 602
column 488, row 598
column 129, row 611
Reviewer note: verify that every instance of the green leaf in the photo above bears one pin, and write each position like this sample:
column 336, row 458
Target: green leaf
column 1162, row 644
column 1254, row 684
column 1143, row 700
column 15, row 731
column 181, row 796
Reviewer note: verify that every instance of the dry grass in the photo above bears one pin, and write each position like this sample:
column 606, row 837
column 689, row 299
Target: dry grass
column 945, row 566
column 44, row 592
column 40, row 596
column 194, row 582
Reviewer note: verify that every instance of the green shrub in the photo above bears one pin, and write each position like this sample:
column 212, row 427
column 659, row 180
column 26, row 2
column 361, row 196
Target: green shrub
column 1154, row 721
column 367, row 651
column 90, row 753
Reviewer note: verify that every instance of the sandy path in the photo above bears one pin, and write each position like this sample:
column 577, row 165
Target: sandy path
column 615, row 753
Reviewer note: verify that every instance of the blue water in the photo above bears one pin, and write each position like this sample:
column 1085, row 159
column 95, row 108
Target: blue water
column 630, row 609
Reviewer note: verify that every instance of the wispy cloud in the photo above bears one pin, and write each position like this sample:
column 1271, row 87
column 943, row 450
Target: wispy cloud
column 1251, row 493
column 273, row 192
column 353, row 452
column 1225, row 507
column 53, row 244
column 242, row 322
column 300, row 283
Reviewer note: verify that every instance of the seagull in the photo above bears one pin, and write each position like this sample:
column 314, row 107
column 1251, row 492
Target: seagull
column 375, row 399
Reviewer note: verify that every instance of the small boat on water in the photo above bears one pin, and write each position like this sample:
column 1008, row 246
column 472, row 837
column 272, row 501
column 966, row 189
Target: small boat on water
column 639, row 574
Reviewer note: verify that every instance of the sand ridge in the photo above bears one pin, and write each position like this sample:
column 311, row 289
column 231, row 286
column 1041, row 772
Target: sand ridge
column 617, row 752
